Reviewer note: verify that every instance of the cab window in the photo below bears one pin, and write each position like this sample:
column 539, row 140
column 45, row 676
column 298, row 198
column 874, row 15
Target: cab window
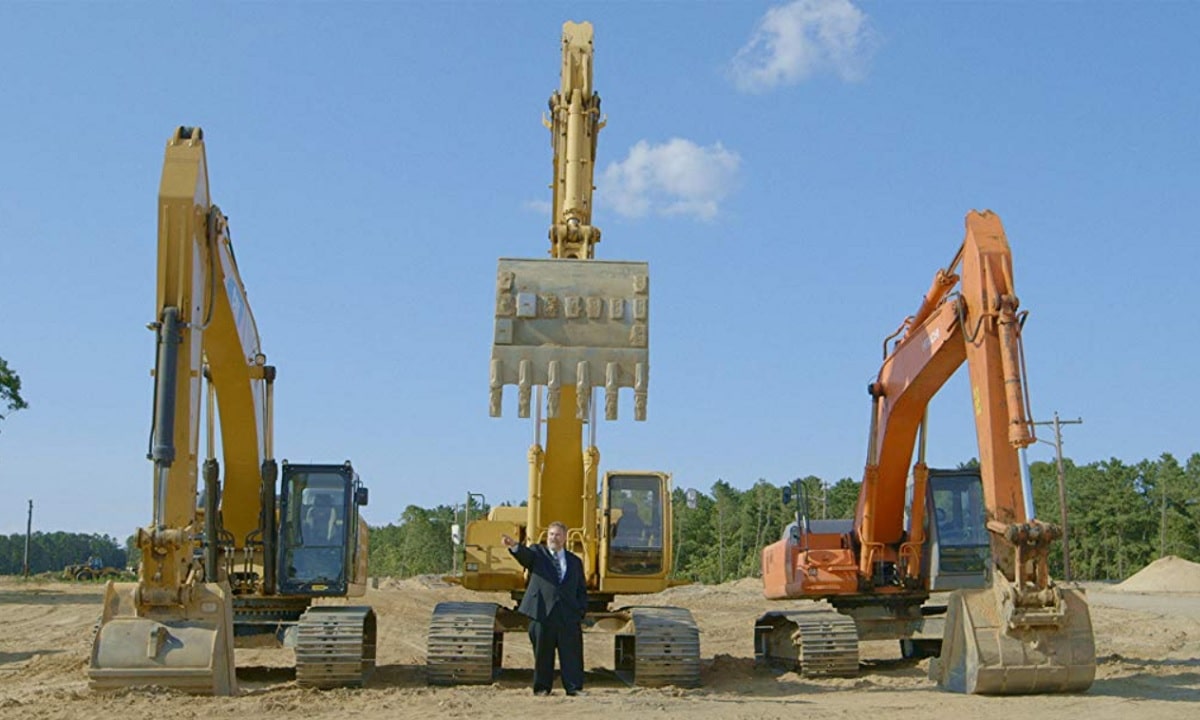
column 636, row 536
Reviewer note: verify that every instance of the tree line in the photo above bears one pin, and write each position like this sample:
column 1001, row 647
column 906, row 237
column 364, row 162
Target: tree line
column 53, row 551
column 1120, row 518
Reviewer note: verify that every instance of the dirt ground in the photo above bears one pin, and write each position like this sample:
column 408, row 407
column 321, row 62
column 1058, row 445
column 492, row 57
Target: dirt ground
column 1148, row 648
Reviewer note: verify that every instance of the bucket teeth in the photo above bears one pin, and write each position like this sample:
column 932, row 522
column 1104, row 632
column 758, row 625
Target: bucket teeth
column 571, row 324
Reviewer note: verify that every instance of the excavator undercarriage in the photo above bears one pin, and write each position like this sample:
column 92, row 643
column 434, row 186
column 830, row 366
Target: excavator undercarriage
column 653, row 647
column 335, row 646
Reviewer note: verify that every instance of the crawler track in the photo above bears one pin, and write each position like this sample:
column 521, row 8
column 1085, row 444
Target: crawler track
column 664, row 648
column 819, row 642
column 335, row 647
column 464, row 646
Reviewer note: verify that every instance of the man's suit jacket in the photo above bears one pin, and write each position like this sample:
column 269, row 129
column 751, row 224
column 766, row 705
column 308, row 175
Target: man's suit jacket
column 544, row 592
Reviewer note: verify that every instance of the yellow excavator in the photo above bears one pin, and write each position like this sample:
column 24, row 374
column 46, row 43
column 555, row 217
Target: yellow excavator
column 563, row 328
column 241, row 563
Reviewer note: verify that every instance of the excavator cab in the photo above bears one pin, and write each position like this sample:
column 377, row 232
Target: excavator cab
column 959, row 550
column 635, row 506
column 318, row 528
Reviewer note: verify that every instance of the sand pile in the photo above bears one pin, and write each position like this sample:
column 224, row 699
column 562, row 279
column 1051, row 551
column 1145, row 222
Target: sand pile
column 1167, row 574
column 415, row 582
column 743, row 586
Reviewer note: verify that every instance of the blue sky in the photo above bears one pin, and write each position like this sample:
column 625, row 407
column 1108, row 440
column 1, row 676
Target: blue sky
column 794, row 173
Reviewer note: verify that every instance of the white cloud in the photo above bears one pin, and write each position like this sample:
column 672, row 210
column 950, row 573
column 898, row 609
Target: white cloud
column 677, row 177
column 796, row 40
column 542, row 207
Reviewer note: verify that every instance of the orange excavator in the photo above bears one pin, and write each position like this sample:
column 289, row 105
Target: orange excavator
column 1008, row 627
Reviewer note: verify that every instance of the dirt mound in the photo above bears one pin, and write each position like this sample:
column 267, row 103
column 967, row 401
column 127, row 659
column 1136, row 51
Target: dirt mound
column 1167, row 574
column 728, row 671
column 1148, row 647
column 742, row 586
column 416, row 582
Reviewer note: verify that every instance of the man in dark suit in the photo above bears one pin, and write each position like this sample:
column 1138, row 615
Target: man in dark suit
column 555, row 602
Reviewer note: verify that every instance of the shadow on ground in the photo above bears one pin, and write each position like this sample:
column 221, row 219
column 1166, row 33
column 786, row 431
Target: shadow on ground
column 7, row 658
column 37, row 596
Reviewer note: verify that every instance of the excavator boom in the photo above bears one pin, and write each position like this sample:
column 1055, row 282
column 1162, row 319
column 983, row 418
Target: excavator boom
column 172, row 628
column 574, row 125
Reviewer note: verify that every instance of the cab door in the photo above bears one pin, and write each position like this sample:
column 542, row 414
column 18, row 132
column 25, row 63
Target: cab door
column 318, row 529
column 959, row 549
column 635, row 554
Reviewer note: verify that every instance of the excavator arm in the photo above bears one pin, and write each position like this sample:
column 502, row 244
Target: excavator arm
column 1024, row 634
column 970, row 314
column 172, row 627
column 570, row 324
column 198, row 279
column 205, row 328
column 574, row 125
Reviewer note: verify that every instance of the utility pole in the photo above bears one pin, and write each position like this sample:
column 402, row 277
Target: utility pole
column 455, row 540
column 721, row 539
column 1162, row 523
column 28, row 532
column 1062, row 485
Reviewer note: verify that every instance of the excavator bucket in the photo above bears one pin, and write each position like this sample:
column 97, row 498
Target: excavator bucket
column 995, row 646
column 187, row 647
column 564, row 323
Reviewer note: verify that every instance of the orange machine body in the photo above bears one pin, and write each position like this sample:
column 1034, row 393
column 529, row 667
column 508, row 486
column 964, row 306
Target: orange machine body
column 968, row 315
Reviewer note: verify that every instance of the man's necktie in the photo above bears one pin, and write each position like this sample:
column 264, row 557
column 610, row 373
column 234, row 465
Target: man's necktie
column 560, row 566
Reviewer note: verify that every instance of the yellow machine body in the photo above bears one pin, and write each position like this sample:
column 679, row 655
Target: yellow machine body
column 223, row 558
column 565, row 329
